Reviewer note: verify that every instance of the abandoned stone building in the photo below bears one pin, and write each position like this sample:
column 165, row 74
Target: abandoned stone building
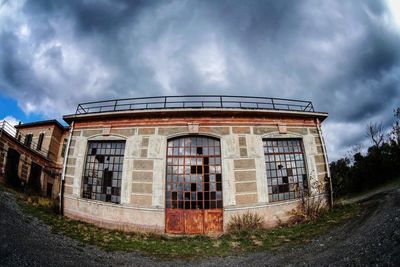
column 31, row 155
column 186, row 164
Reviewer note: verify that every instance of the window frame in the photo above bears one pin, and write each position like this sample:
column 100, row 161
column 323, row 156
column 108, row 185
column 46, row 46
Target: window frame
column 64, row 147
column 28, row 140
column 40, row 142
column 120, row 172
column 187, row 158
column 305, row 190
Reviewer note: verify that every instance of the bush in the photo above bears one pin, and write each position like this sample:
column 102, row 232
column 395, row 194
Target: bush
column 248, row 221
column 310, row 208
column 312, row 204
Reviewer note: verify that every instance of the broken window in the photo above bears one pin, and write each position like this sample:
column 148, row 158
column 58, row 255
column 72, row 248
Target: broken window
column 103, row 171
column 194, row 173
column 286, row 171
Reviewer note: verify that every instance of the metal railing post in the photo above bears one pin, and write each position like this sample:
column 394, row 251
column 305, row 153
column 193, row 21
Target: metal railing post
column 305, row 109
column 220, row 100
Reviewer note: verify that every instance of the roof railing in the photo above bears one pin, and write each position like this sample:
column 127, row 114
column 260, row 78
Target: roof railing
column 195, row 101
column 6, row 127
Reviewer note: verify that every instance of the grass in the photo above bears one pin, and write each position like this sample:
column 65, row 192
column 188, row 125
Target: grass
column 184, row 247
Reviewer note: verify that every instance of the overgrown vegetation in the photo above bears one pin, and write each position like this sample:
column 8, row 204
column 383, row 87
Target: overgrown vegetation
column 312, row 204
column 248, row 221
column 381, row 163
column 188, row 247
column 310, row 208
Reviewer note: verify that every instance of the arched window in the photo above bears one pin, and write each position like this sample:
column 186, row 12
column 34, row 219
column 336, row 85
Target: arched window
column 193, row 185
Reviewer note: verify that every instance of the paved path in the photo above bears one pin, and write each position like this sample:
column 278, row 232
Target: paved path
column 373, row 238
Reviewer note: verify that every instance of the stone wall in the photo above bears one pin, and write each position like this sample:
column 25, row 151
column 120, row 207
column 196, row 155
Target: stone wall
column 36, row 131
column 143, row 178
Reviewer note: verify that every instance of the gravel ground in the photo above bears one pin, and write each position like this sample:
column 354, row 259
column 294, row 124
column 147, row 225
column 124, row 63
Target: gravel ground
column 373, row 238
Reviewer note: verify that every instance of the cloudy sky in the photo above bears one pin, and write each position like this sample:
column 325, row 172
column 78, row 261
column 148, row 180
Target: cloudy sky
column 342, row 55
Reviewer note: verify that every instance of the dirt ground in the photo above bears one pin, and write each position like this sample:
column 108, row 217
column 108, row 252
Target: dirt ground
column 373, row 238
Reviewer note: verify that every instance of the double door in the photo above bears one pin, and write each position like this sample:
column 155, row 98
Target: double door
column 194, row 186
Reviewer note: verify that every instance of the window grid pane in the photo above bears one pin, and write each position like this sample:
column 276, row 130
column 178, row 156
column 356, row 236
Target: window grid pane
column 286, row 170
column 103, row 170
column 194, row 178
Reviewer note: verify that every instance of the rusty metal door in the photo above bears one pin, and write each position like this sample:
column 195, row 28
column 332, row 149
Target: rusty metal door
column 193, row 194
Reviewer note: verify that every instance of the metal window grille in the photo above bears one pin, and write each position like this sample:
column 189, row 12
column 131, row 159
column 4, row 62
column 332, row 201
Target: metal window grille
column 286, row 170
column 103, row 170
column 194, row 173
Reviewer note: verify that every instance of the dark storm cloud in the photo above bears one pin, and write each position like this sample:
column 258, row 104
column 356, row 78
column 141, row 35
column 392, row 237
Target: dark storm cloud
column 89, row 16
column 342, row 55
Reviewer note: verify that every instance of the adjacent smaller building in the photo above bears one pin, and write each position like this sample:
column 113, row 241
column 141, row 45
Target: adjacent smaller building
column 31, row 155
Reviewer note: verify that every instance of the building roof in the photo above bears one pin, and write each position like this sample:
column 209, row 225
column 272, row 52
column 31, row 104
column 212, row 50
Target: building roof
column 41, row 123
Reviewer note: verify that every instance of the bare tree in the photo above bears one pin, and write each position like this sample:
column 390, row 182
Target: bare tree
column 356, row 149
column 376, row 133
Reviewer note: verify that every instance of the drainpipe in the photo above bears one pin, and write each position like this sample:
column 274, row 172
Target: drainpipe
column 328, row 171
column 64, row 168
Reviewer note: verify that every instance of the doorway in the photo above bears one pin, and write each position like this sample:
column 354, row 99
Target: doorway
column 34, row 178
column 11, row 171
column 193, row 196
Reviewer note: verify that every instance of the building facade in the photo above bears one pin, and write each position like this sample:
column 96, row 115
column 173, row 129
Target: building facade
column 31, row 156
column 186, row 165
